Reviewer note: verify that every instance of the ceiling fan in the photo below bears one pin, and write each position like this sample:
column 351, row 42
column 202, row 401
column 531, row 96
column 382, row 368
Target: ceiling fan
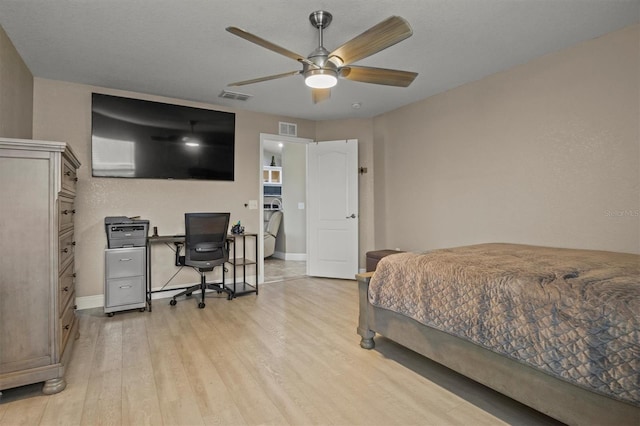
column 321, row 69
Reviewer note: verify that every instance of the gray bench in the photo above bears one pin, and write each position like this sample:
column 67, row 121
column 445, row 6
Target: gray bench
column 373, row 257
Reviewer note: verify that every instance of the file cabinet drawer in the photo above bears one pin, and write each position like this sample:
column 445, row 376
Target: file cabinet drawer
column 125, row 291
column 125, row 262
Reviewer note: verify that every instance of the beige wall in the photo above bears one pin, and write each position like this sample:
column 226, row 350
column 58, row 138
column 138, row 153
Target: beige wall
column 361, row 129
column 16, row 92
column 62, row 112
column 546, row 153
column 293, row 232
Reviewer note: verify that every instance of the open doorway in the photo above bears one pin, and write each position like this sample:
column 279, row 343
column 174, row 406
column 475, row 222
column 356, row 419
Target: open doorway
column 283, row 213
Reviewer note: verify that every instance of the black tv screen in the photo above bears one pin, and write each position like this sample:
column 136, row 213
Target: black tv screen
column 134, row 138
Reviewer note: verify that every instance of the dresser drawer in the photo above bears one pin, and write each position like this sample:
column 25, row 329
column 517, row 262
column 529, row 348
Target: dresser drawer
column 66, row 286
column 124, row 262
column 66, row 324
column 66, row 213
column 66, row 247
column 125, row 291
column 69, row 176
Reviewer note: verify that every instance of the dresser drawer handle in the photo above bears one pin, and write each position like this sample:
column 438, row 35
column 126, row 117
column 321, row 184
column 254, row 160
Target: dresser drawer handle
column 125, row 286
column 73, row 275
column 69, row 211
column 126, row 260
column 65, row 250
column 66, row 327
column 73, row 243
column 66, row 288
column 67, row 173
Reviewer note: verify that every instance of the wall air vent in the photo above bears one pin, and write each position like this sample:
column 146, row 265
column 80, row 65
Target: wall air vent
column 236, row 96
column 288, row 129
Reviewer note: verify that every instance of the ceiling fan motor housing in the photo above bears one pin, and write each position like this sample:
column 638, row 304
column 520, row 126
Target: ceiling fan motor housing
column 324, row 75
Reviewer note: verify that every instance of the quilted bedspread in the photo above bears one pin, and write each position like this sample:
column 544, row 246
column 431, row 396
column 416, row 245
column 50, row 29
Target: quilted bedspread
column 574, row 314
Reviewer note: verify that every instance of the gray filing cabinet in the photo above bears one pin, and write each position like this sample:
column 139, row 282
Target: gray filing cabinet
column 125, row 283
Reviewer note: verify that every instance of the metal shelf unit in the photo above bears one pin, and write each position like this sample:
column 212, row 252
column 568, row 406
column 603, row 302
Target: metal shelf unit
column 242, row 287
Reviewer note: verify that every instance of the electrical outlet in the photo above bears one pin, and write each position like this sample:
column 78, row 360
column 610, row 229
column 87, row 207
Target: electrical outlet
column 300, row 206
column 253, row 204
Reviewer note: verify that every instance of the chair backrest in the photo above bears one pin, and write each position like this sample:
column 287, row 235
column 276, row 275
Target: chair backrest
column 205, row 239
column 274, row 223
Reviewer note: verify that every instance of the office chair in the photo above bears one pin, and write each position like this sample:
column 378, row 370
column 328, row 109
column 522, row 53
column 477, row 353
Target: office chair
column 205, row 248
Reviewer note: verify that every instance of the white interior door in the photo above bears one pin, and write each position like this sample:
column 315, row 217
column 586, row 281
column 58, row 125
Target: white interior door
column 332, row 208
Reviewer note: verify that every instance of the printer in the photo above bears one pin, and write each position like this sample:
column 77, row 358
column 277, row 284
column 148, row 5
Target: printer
column 123, row 231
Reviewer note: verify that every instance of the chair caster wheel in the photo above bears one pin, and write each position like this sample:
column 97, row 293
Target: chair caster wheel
column 110, row 314
column 201, row 305
column 172, row 302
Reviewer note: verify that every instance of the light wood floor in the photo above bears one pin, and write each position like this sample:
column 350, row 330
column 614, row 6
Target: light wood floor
column 289, row 356
column 281, row 270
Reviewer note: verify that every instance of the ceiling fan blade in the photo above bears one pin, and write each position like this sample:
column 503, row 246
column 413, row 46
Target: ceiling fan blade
column 268, row 45
column 378, row 75
column 319, row 95
column 387, row 33
column 267, row 78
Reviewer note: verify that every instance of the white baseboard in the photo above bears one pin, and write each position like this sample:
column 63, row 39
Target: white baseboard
column 296, row 256
column 88, row 302
column 97, row 301
column 290, row 256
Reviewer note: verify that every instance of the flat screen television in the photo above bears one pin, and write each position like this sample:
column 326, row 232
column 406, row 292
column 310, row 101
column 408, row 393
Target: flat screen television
column 134, row 138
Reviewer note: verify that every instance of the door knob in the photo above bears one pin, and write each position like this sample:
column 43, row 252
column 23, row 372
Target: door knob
column 353, row 216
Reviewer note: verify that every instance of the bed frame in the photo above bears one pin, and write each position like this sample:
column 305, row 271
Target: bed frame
column 552, row 396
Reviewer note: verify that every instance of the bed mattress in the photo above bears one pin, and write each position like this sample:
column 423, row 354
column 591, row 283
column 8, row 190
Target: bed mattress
column 574, row 314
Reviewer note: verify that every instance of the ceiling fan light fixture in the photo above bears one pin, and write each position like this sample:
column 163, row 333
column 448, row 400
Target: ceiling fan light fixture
column 321, row 78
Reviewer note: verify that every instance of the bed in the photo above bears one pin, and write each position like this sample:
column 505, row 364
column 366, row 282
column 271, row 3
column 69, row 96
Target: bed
column 556, row 329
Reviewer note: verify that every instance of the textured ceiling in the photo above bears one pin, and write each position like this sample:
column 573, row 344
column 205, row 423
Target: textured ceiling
column 180, row 48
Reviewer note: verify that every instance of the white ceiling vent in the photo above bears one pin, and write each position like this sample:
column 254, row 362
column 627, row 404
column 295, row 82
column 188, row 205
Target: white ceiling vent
column 226, row 94
column 288, row 129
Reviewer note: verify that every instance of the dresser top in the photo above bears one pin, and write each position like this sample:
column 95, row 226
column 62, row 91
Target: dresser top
column 38, row 145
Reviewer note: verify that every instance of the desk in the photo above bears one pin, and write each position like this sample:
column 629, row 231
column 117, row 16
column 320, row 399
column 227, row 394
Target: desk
column 240, row 288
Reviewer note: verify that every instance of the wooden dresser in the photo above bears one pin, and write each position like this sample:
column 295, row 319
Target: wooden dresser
column 37, row 296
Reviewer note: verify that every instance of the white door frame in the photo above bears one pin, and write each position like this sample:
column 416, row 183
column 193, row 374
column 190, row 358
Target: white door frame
column 271, row 137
